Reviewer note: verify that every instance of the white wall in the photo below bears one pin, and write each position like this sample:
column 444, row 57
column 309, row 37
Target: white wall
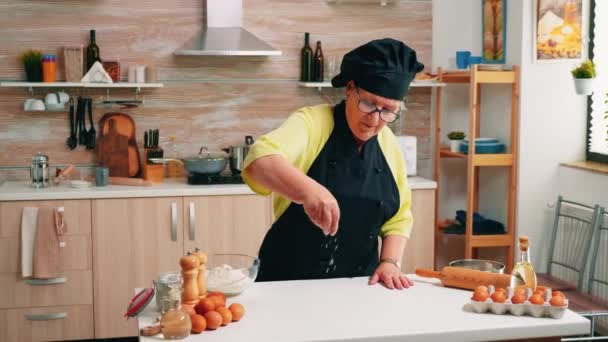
column 552, row 121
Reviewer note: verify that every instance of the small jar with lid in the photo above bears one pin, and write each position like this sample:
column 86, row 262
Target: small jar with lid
column 175, row 323
column 49, row 68
column 164, row 283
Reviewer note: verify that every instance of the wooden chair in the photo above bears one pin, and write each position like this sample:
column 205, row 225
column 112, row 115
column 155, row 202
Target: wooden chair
column 571, row 237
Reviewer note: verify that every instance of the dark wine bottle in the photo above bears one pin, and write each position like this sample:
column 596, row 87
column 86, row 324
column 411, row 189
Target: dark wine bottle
column 92, row 52
column 318, row 64
column 306, row 60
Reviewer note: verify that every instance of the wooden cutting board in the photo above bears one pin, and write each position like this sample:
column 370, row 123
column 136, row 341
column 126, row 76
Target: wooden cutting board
column 117, row 149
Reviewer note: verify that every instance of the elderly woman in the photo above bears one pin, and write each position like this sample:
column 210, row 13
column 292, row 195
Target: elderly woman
column 339, row 177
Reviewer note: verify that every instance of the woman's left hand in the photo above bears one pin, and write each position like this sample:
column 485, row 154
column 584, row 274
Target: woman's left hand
column 391, row 276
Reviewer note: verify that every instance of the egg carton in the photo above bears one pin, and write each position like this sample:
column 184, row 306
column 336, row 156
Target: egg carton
column 527, row 308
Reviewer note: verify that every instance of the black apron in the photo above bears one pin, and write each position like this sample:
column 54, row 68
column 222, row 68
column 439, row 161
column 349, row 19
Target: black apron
column 367, row 195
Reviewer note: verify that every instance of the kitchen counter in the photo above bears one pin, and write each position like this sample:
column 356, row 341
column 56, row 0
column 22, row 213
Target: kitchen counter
column 21, row 191
column 349, row 309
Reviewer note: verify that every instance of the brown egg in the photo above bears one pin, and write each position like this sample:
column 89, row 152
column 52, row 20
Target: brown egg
column 199, row 324
column 539, row 292
column 557, row 301
column 536, row 299
column 480, row 296
column 226, row 315
column 518, row 299
column 481, row 288
column 520, row 291
column 238, row 311
column 498, row 297
column 204, row 306
column 540, row 287
column 214, row 320
column 500, row 289
column 558, row 293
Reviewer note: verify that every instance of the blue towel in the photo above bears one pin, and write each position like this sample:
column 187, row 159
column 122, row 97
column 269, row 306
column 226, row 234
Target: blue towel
column 481, row 225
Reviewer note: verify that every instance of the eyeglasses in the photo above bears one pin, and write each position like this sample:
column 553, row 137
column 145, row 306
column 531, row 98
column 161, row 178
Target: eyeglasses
column 367, row 107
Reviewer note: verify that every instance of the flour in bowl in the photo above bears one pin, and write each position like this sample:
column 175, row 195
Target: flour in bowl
column 228, row 280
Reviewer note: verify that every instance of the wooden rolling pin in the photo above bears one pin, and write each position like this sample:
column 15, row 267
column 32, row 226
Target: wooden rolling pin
column 464, row 278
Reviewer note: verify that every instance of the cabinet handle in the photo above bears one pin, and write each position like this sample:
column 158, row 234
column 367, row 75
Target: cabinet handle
column 173, row 221
column 46, row 316
column 192, row 221
column 51, row 281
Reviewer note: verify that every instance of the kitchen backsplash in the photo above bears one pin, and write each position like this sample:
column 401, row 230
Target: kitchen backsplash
column 212, row 101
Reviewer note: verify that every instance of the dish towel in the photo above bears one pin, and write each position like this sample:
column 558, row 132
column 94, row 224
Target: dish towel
column 50, row 227
column 29, row 217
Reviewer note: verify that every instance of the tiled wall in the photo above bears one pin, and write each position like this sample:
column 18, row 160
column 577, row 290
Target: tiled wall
column 213, row 101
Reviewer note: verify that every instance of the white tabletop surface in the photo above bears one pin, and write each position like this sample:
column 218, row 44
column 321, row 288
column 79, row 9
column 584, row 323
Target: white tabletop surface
column 22, row 191
column 349, row 309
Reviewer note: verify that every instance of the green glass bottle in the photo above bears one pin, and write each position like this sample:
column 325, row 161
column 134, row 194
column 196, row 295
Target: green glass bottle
column 92, row 52
column 306, row 60
column 318, row 64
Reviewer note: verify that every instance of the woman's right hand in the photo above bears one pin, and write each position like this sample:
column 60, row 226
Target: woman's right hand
column 322, row 209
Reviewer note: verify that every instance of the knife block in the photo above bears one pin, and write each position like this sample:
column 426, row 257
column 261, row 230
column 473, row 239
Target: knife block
column 154, row 173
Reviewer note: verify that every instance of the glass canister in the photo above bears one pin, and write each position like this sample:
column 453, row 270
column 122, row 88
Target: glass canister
column 175, row 323
column 39, row 171
column 164, row 283
column 49, row 68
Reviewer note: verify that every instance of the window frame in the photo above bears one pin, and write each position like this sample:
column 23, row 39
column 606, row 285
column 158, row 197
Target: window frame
column 592, row 156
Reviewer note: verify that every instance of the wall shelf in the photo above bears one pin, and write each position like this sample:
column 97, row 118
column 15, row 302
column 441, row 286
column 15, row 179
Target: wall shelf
column 79, row 85
column 415, row 84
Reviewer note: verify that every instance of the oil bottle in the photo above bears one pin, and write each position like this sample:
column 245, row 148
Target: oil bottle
column 523, row 274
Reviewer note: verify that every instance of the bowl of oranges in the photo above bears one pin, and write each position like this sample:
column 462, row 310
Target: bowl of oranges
column 542, row 302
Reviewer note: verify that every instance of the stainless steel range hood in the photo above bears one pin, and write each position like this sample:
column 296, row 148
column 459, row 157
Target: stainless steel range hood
column 224, row 35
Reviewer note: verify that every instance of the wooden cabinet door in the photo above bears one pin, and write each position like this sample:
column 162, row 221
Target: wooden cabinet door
column 226, row 224
column 133, row 241
column 420, row 249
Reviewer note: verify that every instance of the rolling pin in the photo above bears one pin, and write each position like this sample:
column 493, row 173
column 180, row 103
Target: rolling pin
column 464, row 278
column 128, row 181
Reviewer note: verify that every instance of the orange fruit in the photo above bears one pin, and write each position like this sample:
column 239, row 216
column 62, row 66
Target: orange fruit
column 558, row 293
column 238, row 311
column 518, row 299
column 218, row 297
column 536, row 299
column 204, row 306
column 214, row 320
column 480, row 296
column 557, row 301
column 226, row 315
column 498, row 297
column 189, row 309
column 199, row 324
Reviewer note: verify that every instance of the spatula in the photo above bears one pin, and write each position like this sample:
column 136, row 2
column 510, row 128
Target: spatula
column 71, row 141
column 91, row 134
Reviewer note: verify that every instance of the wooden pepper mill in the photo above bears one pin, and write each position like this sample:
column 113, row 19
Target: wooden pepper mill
column 189, row 265
column 202, row 284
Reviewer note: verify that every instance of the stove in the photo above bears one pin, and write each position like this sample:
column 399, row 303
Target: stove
column 205, row 179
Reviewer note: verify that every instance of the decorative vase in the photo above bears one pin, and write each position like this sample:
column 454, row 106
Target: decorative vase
column 584, row 86
column 33, row 71
column 455, row 145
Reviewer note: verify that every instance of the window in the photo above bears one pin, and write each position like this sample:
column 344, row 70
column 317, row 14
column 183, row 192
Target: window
column 597, row 118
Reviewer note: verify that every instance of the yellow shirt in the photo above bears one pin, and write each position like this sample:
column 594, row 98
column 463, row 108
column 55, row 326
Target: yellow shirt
column 300, row 140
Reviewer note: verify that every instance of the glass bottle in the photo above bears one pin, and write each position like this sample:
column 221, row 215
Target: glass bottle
column 306, row 60
column 318, row 73
column 175, row 323
column 523, row 273
column 92, row 52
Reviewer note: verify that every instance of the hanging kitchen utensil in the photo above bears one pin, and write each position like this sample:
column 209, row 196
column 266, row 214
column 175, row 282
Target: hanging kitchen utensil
column 72, row 142
column 82, row 131
column 91, row 134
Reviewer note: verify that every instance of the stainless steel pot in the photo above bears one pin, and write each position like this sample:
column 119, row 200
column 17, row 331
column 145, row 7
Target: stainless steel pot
column 238, row 155
column 480, row 265
column 207, row 162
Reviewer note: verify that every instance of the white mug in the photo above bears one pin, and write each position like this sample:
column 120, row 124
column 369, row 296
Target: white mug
column 37, row 105
column 27, row 105
column 131, row 77
column 140, row 74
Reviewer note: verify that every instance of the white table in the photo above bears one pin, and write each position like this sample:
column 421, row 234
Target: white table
column 349, row 309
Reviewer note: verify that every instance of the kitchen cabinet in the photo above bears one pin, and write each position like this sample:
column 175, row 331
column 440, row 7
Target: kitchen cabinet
column 419, row 251
column 226, row 224
column 134, row 240
column 137, row 239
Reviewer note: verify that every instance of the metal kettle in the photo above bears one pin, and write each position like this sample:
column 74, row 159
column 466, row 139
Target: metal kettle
column 39, row 171
column 238, row 154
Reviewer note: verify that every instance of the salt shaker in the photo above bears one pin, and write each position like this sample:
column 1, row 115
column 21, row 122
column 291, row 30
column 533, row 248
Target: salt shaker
column 189, row 265
column 202, row 285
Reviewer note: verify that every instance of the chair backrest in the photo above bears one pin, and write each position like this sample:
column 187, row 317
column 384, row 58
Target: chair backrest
column 598, row 272
column 571, row 238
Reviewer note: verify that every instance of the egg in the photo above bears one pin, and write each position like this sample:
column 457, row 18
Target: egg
column 214, row 320
column 540, row 287
column 539, row 292
column 238, row 311
column 480, row 296
column 498, row 297
column 557, row 301
column 558, row 293
column 500, row 289
column 518, row 299
column 536, row 299
column 481, row 288
column 226, row 315
column 218, row 298
column 520, row 291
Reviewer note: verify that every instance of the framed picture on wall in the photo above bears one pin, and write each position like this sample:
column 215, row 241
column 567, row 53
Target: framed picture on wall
column 494, row 30
column 558, row 27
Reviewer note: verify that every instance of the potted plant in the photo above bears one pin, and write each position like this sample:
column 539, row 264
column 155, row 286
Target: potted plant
column 32, row 62
column 584, row 78
column 455, row 138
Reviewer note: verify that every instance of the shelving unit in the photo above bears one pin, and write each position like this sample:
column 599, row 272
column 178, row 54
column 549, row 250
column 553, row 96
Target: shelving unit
column 476, row 78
